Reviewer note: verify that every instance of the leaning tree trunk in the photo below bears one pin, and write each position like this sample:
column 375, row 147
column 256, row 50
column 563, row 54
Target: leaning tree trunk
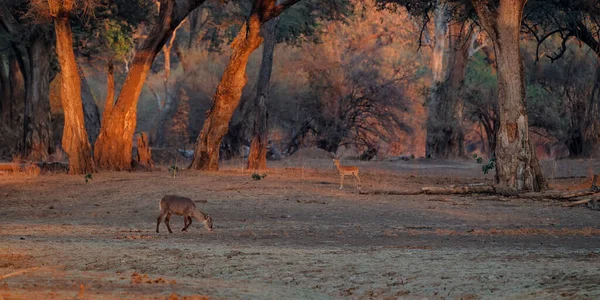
column 113, row 149
column 227, row 97
column 257, row 159
column 35, row 60
column 517, row 165
column 75, row 140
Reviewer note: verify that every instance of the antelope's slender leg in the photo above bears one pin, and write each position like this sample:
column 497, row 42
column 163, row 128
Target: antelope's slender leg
column 185, row 223
column 162, row 214
column 357, row 178
column 167, row 219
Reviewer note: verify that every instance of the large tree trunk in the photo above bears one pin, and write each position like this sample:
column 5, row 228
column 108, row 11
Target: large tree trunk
column 257, row 159
column 517, row 165
column 17, row 90
column 113, row 149
column 460, row 35
column 168, row 106
column 227, row 97
column 5, row 100
column 445, row 133
column 75, row 140
column 438, row 69
column 90, row 110
column 35, row 60
column 591, row 129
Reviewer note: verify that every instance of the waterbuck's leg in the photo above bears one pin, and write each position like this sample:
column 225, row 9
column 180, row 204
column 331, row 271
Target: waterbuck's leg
column 158, row 221
column 167, row 219
column 185, row 223
column 189, row 222
column 341, row 181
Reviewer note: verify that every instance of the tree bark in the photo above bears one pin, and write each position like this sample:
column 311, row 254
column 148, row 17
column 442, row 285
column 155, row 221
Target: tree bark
column 113, row 149
column 229, row 90
column 517, row 165
column 144, row 153
column 75, row 140
column 257, row 159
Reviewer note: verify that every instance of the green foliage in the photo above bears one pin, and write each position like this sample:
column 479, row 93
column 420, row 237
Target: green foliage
column 110, row 32
column 490, row 165
column 545, row 110
column 119, row 37
column 88, row 177
column 255, row 176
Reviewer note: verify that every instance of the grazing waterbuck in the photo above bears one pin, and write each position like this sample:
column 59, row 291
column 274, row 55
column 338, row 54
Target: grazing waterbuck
column 176, row 205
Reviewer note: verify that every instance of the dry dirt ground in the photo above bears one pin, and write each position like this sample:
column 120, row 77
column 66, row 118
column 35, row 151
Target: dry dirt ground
column 295, row 235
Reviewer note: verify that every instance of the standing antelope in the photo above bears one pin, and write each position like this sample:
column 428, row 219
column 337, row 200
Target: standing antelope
column 346, row 171
column 182, row 206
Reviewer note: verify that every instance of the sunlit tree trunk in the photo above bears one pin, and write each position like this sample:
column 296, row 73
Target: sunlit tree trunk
column 517, row 165
column 113, row 149
column 257, row 159
column 229, row 90
column 75, row 140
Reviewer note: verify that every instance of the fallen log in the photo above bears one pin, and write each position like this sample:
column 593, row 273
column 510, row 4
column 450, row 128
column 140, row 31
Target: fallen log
column 558, row 195
column 460, row 189
column 578, row 202
column 2, row 277
column 391, row 192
